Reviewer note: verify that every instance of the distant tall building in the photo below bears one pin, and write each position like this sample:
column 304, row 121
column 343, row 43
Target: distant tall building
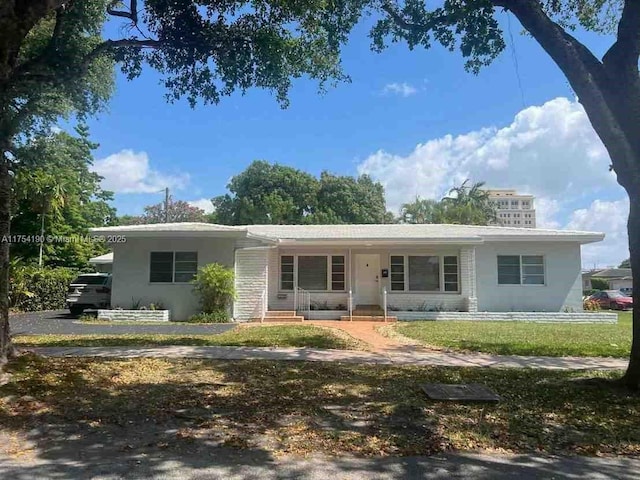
column 513, row 209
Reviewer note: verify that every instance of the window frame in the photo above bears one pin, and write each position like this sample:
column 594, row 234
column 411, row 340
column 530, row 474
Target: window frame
column 441, row 289
column 173, row 267
column 328, row 258
column 522, row 275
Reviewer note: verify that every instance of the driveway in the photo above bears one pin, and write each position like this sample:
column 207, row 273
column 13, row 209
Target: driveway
column 60, row 322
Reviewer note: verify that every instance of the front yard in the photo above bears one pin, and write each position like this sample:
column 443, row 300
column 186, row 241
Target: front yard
column 520, row 338
column 146, row 406
column 241, row 336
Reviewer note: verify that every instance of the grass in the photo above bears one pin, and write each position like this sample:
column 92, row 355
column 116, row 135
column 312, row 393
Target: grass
column 146, row 405
column 255, row 336
column 520, row 338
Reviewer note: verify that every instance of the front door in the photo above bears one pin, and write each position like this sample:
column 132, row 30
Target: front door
column 367, row 279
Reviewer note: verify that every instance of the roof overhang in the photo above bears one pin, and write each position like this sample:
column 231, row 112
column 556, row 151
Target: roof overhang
column 582, row 238
column 369, row 242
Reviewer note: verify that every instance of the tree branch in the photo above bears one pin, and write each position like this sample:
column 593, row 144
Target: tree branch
column 132, row 14
column 625, row 52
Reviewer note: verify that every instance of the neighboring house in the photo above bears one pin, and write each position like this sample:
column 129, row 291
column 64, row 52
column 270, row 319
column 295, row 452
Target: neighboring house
column 414, row 268
column 513, row 209
column 617, row 278
column 102, row 263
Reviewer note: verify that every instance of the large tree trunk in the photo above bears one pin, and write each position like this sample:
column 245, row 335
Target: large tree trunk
column 6, row 349
column 632, row 377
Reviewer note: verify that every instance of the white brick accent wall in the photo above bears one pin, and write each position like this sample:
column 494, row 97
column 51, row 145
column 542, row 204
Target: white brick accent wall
column 252, row 272
column 135, row 315
column 425, row 301
column 543, row 317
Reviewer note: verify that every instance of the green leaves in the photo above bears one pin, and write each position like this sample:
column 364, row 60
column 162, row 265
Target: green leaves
column 275, row 194
column 214, row 283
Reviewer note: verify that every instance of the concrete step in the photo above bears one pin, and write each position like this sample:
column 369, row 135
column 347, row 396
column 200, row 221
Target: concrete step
column 291, row 318
column 281, row 313
column 368, row 313
column 367, row 318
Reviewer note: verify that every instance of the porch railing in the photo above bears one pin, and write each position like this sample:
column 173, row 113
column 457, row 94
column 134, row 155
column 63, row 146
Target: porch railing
column 302, row 302
column 384, row 302
column 350, row 302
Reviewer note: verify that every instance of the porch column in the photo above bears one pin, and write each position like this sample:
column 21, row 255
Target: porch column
column 468, row 278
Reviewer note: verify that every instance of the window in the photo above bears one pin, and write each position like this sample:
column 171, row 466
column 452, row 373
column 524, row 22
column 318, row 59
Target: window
column 315, row 272
column 520, row 270
column 532, row 270
column 424, row 273
column 286, row 272
column 337, row 272
column 451, row 274
column 397, row 273
column 172, row 267
column 312, row 272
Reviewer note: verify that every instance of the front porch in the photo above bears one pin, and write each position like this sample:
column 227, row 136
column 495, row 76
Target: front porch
column 366, row 283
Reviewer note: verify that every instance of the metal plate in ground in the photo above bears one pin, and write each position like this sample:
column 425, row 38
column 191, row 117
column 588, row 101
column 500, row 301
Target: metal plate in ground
column 469, row 392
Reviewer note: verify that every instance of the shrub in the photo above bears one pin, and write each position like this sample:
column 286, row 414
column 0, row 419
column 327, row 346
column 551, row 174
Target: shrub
column 218, row 316
column 599, row 284
column 589, row 292
column 214, row 283
column 32, row 288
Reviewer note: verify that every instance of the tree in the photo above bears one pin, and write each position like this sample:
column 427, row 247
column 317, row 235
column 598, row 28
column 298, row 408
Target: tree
column 45, row 193
column 468, row 205
column 56, row 193
column 267, row 194
column 625, row 264
column 463, row 205
column 421, row 210
column 276, row 194
column 179, row 211
column 607, row 87
column 343, row 199
column 54, row 62
column 599, row 284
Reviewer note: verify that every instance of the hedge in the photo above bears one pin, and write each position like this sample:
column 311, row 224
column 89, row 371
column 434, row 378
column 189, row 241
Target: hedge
column 32, row 289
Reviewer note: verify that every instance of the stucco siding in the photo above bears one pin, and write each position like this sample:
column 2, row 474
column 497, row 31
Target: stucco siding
column 563, row 281
column 131, row 272
column 401, row 301
column 252, row 269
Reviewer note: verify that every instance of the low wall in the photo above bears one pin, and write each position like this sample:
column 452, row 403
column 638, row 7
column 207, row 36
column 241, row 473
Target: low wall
column 135, row 315
column 546, row 317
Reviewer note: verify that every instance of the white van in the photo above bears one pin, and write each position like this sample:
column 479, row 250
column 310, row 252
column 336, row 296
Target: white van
column 89, row 290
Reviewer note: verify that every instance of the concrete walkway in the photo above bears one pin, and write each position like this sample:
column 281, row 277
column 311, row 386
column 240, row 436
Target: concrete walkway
column 406, row 357
column 229, row 464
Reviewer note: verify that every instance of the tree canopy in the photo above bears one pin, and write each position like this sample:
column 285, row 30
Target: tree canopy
column 464, row 205
column 53, row 179
column 179, row 211
column 268, row 193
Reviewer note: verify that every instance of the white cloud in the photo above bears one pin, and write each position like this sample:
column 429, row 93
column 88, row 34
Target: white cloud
column 403, row 89
column 203, row 203
column 130, row 172
column 608, row 217
column 550, row 151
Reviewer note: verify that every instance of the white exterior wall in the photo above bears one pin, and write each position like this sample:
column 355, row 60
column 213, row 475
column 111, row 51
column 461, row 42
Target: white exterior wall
column 618, row 283
column 562, row 290
column 400, row 301
column 131, row 272
column 252, row 272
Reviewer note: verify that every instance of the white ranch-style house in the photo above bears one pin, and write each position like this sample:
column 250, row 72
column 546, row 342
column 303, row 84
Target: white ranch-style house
column 357, row 271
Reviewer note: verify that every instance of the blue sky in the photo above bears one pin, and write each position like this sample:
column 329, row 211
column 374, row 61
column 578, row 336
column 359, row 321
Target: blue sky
column 414, row 120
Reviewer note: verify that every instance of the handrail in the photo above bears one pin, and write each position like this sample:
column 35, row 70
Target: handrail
column 350, row 306
column 302, row 301
column 384, row 302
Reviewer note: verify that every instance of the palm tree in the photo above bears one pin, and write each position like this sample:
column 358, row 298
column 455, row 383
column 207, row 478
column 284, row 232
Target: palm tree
column 421, row 210
column 46, row 194
column 469, row 205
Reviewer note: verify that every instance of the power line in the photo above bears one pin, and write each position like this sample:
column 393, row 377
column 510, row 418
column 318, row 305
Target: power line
column 514, row 56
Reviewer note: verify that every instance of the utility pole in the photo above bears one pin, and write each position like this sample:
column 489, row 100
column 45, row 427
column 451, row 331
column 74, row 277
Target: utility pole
column 166, row 205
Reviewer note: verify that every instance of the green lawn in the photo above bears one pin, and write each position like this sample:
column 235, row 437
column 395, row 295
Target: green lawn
column 255, row 336
column 520, row 338
column 150, row 407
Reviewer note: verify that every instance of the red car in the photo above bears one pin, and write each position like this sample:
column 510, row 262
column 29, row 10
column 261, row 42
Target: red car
column 612, row 299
